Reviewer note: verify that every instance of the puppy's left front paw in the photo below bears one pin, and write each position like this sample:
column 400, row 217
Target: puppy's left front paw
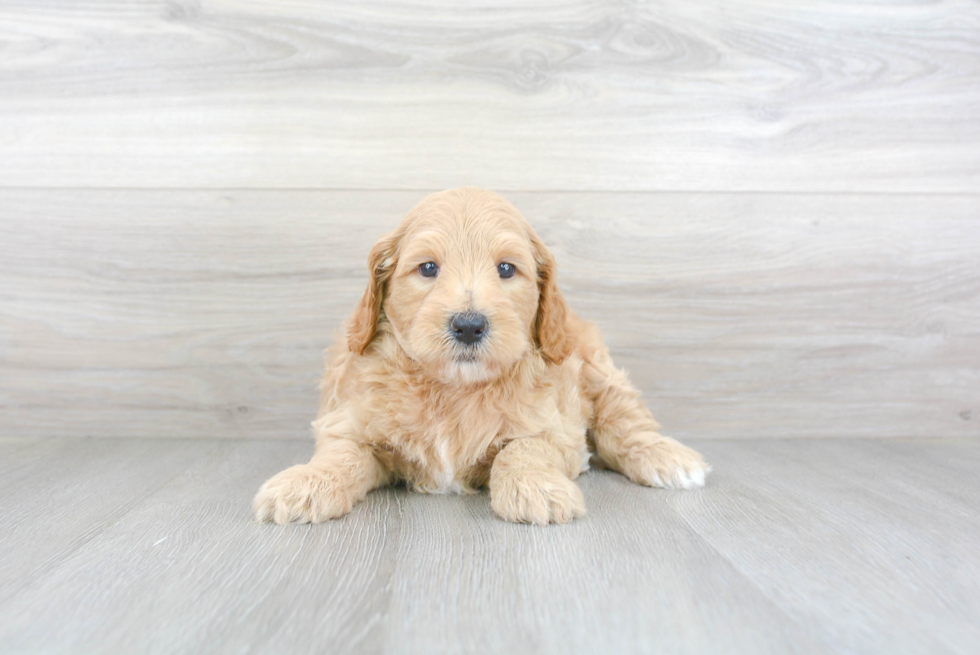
column 538, row 497
column 663, row 462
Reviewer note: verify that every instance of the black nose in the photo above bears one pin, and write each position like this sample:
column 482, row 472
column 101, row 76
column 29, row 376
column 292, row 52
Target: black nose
column 469, row 327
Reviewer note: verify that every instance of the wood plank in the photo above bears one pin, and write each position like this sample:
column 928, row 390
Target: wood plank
column 404, row 94
column 896, row 466
column 821, row 529
column 403, row 573
column 26, row 457
column 629, row 578
column 189, row 570
column 200, row 313
column 789, row 549
column 192, row 570
column 64, row 493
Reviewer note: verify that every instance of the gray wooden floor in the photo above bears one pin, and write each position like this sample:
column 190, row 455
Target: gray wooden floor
column 809, row 546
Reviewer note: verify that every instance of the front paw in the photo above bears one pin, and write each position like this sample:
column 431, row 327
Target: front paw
column 538, row 497
column 662, row 462
column 301, row 494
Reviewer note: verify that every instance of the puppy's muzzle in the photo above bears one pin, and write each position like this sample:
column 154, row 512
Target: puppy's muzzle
column 468, row 327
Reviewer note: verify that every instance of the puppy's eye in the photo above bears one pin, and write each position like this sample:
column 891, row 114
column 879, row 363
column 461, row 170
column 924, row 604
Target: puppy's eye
column 428, row 269
column 506, row 270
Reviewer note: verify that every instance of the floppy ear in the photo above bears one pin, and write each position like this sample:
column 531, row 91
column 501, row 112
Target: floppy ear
column 364, row 321
column 552, row 328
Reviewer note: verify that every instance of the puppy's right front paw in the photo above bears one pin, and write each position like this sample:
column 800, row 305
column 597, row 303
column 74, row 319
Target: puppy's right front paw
column 301, row 494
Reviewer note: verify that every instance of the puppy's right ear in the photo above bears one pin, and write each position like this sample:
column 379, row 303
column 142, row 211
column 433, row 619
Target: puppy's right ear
column 364, row 322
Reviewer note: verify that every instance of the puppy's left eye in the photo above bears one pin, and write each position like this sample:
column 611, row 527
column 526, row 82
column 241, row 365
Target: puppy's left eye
column 506, row 270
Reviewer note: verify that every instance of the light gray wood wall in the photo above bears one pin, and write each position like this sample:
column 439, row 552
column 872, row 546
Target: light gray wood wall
column 554, row 94
column 772, row 209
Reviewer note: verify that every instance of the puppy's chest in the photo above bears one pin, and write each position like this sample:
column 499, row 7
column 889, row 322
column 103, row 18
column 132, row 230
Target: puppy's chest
column 443, row 445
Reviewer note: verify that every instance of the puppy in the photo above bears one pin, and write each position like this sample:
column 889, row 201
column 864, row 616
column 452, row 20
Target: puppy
column 462, row 367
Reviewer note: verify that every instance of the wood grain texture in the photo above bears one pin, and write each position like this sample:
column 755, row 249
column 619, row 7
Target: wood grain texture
column 411, row 94
column 795, row 546
column 42, row 519
column 204, row 313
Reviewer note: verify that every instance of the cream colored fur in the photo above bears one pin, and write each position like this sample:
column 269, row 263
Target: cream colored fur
column 402, row 402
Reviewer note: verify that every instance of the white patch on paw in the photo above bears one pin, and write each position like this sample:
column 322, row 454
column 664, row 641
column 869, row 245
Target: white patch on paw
column 681, row 478
column 655, row 480
column 666, row 464
column 691, row 478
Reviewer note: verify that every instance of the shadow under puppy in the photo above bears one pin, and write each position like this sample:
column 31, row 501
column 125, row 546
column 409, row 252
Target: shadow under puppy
column 463, row 367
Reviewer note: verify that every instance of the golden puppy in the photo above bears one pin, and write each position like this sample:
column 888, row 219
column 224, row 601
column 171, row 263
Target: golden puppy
column 462, row 367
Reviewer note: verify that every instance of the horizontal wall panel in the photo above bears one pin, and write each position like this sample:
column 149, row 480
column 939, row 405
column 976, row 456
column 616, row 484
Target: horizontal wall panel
column 205, row 313
column 758, row 96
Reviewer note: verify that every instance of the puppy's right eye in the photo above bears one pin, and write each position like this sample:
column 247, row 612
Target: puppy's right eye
column 428, row 269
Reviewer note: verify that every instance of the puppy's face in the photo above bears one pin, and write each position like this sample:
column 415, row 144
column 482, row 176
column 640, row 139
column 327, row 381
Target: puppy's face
column 464, row 294
column 466, row 287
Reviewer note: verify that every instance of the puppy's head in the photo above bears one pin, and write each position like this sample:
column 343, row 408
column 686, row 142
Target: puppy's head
column 466, row 287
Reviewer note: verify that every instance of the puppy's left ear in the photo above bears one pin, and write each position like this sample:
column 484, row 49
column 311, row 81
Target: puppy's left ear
column 364, row 321
column 552, row 329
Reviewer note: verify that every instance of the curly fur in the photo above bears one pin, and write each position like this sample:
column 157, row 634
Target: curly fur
column 522, row 412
